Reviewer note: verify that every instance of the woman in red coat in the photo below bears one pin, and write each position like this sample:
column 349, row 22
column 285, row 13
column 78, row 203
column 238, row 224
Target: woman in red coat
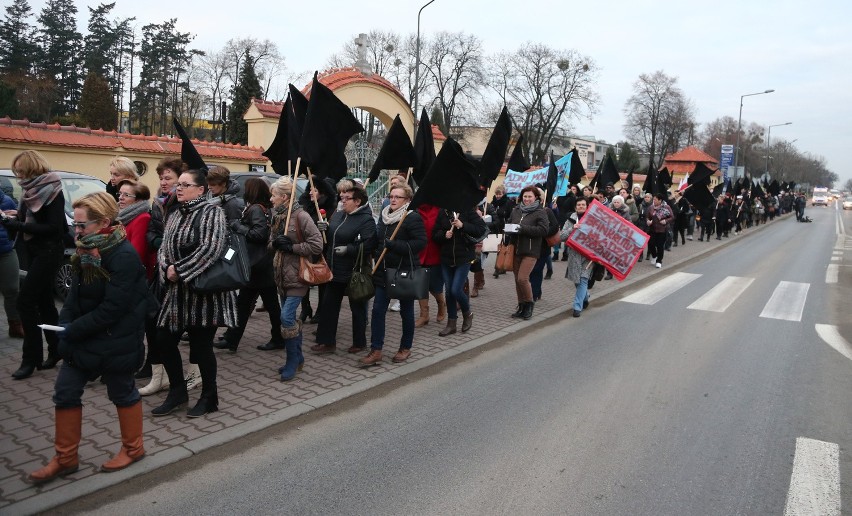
column 430, row 259
column 135, row 213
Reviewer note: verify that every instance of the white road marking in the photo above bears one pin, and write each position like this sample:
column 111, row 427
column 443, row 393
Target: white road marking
column 837, row 253
column 659, row 290
column 836, row 258
column 831, row 336
column 831, row 273
column 787, row 302
column 720, row 297
column 815, row 481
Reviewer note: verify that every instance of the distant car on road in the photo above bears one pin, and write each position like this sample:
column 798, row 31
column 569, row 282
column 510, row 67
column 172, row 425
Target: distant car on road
column 847, row 203
column 74, row 186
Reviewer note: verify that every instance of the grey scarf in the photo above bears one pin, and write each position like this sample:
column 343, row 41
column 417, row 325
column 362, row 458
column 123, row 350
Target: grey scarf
column 127, row 214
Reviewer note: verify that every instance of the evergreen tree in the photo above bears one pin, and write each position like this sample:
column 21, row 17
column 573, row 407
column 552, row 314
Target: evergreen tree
column 628, row 159
column 8, row 102
column 100, row 42
column 17, row 40
column 60, row 43
column 248, row 88
column 97, row 109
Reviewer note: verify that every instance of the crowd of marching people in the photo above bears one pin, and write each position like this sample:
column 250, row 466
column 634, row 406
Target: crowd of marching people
column 140, row 255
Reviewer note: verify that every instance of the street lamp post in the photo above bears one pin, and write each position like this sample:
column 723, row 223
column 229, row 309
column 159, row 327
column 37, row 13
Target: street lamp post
column 768, row 137
column 739, row 123
column 417, row 61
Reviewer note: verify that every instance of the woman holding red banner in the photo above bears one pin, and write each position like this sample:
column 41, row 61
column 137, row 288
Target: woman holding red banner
column 528, row 225
column 579, row 268
column 659, row 217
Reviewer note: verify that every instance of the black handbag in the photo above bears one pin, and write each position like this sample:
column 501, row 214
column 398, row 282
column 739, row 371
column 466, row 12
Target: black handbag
column 360, row 287
column 405, row 285
column 230, row 272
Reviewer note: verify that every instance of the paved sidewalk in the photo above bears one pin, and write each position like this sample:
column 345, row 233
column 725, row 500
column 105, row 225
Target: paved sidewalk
column 251, row 397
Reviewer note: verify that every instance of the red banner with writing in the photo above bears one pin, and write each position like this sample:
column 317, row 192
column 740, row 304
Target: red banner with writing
column 603, row 236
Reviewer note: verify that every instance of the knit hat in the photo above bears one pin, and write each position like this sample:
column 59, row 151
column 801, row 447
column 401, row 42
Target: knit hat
column 618, row 198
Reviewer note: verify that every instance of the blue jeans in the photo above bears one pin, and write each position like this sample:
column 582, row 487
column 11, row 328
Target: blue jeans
column 582, row 294
column 70, row 381
column 377, row 323
column 289, row 305
column 454, row 278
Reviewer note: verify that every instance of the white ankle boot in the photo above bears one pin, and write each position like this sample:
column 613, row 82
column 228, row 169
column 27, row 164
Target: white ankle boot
column 159, row 381
column 193, row 377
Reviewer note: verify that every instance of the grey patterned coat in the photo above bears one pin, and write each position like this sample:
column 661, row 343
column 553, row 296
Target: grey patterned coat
column 193, row 240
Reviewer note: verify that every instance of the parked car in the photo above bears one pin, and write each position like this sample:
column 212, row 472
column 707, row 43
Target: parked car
column 847, row 203
column 74, row 186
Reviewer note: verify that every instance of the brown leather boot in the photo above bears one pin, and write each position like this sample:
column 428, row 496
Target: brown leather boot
column 479, row 280
column 424, row 314
column 130, row 421
column 452, row 327
column 467, row 321
column 442, row 307
column 16, row 329
column 69, row 424
column 474, row 290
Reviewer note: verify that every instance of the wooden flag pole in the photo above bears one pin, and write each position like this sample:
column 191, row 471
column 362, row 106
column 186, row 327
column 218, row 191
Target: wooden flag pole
column 316, row 203
column 393, row 235
column 289, row 169
column 292, row 195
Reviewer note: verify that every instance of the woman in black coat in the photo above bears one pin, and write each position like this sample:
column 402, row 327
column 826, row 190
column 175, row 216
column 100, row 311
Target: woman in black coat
column 457, row 234
column 324, row 193
column 104, row 321
column 254, row 225
column 41, row 228
column 403, row 253
column 348, row 230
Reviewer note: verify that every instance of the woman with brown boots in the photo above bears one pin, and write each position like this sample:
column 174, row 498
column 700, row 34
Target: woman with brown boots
column 430, row 259
column 104, row 323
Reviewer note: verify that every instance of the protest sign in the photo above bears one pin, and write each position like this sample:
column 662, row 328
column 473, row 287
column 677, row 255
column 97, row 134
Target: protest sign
column 603, row 236
column 517, row 181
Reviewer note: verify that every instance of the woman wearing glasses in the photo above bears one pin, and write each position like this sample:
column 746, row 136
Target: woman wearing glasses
column 402, row 254
column 103, row 317
column 194, row 239
column 41, row 228
column 349, row 228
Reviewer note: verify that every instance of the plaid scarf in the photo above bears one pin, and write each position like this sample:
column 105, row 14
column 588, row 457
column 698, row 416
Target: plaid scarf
column 87, row 260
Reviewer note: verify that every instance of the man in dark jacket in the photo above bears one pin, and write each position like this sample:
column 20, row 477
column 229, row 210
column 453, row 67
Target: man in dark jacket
column 224, row 191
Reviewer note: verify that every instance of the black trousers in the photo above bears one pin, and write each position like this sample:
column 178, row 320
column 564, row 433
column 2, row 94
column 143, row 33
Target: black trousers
column 329, row 311
column 245, row 304
column 658, row 242
column 36, row 303
column 200, row 352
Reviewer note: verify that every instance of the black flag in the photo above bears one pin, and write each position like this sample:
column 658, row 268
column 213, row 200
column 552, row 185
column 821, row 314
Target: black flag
column 396, row 152
column 550, row 184
column 424, row 148
column 495, row 152
column 295, row 121
column 650, row 185
column 609, row 173
column 329, row 123
column 578, row 171
column 278, row 151
column 699, row 196
column 188, row 153
column 451, row 182
column 518, row 162
column 700, row 176
column 595, row 180
column 629, row 181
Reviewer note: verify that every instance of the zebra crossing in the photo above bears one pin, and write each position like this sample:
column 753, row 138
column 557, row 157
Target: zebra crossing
column 787, row 302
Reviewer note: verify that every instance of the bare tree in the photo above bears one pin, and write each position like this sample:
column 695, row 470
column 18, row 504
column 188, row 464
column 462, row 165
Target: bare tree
column 654, row 98
column 454, row 64
column 545, row 89
column 260, row 51
column 677, row 125
column 211, row 74
column 722, row 131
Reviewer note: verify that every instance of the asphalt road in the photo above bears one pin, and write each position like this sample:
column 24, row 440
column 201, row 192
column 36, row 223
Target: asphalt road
column 679, row 400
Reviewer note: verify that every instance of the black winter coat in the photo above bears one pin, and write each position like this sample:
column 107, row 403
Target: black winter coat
column 411, row 236
column 530, row 236
column 459, row 249
column 105, row 320
column 254, row 225
column 351, row 230
column 230, row 202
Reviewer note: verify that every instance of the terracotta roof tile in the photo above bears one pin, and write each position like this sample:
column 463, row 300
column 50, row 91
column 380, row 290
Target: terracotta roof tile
column 268, row 108
column 691, row 154
column 335, row 78
column 437, row 135
column 23, row 131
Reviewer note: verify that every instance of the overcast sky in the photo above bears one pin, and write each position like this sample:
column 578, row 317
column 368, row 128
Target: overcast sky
column 719, row 50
